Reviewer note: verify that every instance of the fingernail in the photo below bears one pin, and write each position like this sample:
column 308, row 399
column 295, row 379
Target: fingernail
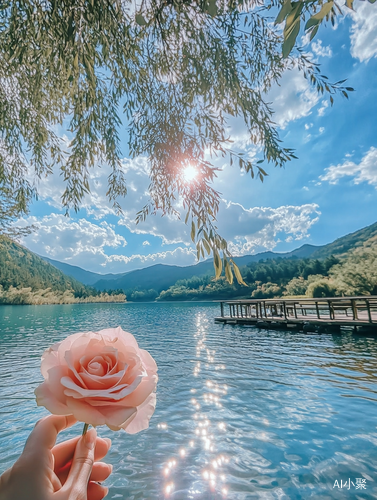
column 90, row 439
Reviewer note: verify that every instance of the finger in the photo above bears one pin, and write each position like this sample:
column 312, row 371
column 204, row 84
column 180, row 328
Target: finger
column 45, row 432
column 96, row 491
column 82, row 464
column 63, row 452
column 100, row 471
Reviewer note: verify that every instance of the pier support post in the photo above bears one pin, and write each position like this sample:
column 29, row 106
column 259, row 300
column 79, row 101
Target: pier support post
column 368, row 309
column 317, row 310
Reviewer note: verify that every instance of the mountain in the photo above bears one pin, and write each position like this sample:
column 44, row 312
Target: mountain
column 21, row 268
column 102, row 281
column 86, row 277
column 160, row 276
column 345, row 243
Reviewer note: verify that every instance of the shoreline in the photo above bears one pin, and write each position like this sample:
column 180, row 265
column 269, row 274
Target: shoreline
column 26, row 296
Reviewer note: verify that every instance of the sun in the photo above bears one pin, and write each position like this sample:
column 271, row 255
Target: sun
column 190, row 173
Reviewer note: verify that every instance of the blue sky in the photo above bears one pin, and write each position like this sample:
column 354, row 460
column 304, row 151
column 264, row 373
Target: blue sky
column 331, row 190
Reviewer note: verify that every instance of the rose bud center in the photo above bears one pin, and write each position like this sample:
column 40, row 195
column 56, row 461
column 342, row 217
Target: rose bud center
column 97, row 366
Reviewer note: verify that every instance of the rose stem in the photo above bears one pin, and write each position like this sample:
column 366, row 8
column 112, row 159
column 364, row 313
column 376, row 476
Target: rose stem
column 86, row 426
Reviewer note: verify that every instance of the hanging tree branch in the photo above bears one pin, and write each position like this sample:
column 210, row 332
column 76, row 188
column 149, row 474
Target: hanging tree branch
column 178, row 68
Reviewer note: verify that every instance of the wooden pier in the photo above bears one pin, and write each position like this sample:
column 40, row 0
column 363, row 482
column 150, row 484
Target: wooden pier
column 324, row 314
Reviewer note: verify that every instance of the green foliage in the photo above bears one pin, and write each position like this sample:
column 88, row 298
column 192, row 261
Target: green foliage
column 350, row 274
column 315, row 11
column 176, row 69
column 13, row 205
column 296, row 286
column 143, row 295
column 25, row 295
column 321, row 288
column 346, row 243
column 212, row 290
column 353, row 274
column 267, row 291
column 357, row 273
column 25, row 278
column 264, row 279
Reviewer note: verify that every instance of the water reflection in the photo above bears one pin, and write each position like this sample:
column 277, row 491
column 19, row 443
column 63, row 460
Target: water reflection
column 198, row 457
column 240, row 414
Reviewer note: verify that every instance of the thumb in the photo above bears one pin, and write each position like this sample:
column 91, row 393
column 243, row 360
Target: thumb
column 82, row 464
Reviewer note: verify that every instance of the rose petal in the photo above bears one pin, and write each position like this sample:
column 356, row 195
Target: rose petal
column 76, row 342
column 115, row 334
column 145, row 388
column 112, row 416
column 50, row 358
column 70, row 360
column 117, row 416
column 53, row 381
column 144, row 414
column 83, row 412
column 93, row 382
column 97, row 368
column 116, row 393
column 45, row 397
column 148, row 361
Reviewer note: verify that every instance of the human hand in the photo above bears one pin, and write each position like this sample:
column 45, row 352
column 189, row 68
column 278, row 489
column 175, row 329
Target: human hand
column 68, row 471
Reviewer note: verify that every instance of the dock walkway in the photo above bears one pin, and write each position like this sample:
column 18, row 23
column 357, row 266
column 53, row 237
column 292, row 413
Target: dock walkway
column 308, row 314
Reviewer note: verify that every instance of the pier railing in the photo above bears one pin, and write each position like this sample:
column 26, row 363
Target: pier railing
column 343, row 311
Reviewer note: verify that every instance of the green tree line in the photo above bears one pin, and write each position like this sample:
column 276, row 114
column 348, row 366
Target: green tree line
column 354, row 273
column 24, row 275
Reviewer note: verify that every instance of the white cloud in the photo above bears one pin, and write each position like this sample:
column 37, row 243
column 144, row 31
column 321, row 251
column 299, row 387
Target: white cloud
column 292, row 99
column 321, row 51
column 84, row 244
column 80, row 242
column 307, row 138
column 178, row 257
column 364, row 31
column 256, row 229
column 91, row 244
column 321, row 130
column 308, row 126
column 322, row 109
column 365, row 171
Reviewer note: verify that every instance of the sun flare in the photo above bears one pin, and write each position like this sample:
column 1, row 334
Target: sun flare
column 190, row 173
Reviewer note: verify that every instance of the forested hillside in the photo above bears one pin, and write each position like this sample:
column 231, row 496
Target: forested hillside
column 352, row 273
column 348, row 266
column 306, row 270
column 85, row 277
column 264, row 279
column 26, row 278
column 20, row 267
column 346, row 243
column 148, row 283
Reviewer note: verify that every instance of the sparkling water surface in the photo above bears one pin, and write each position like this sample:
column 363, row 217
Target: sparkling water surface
column 241, row 413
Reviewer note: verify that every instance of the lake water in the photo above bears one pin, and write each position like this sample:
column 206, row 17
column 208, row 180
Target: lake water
column 241, row 413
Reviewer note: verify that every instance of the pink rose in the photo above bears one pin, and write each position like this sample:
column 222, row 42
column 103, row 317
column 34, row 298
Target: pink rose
column 100, row 378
